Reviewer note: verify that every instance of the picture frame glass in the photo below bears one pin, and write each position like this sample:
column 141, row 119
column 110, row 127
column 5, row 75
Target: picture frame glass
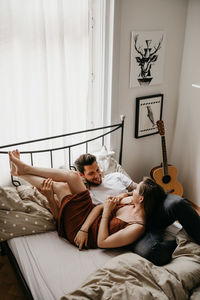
column 148, row 112
column 147, row 58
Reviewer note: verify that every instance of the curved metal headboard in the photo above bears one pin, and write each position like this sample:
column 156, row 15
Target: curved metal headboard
column 112, row 128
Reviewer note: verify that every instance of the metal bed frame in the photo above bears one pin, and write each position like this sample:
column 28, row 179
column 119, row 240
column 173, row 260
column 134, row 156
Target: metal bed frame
column 112, row 128
column 4, row 247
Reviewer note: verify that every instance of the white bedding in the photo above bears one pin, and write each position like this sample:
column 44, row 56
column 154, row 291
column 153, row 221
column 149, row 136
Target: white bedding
column 52, row 266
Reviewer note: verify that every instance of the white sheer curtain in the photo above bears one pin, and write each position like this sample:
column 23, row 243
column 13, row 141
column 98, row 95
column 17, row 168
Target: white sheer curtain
column 44, row 67
column 44, row 71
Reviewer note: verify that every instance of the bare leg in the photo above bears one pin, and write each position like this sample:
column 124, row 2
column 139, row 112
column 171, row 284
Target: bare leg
column 34, row 180
column 60, row 189
column 19, row 168
column 49, row 188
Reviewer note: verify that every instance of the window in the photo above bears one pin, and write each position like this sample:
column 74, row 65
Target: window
column 56, row 70
column 55, row 74
column 101, row 49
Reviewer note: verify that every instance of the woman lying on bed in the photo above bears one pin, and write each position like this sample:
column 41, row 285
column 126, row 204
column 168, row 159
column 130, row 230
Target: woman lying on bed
column 115, row 223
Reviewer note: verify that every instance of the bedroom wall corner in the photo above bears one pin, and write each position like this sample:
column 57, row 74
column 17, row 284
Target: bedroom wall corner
column 140, row 155
column 186, row 143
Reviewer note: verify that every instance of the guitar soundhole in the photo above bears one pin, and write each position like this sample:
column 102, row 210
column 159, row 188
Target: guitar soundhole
column 166, row 179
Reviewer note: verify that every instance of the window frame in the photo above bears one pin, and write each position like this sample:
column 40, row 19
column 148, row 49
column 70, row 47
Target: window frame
column 101, row 36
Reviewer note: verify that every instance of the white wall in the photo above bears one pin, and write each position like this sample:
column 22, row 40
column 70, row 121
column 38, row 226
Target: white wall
column 186, row 145
column 140, row 155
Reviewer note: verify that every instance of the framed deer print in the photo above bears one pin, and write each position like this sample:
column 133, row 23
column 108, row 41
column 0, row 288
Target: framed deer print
column 148, row 112
column 147, row 58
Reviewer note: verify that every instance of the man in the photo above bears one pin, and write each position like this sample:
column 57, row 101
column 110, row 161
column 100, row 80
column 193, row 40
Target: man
column 101, row 187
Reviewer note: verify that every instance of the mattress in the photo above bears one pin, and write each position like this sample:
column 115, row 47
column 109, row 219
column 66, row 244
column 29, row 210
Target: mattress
column 52, row 266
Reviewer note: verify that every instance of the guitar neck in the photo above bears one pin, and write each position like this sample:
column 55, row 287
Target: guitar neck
column 164, row 154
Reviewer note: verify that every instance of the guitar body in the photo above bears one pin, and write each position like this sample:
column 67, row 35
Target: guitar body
column 169, row 181
column 155, row 168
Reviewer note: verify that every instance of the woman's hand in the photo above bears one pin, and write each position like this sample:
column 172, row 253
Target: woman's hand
column 109, row 205
column 119, row 197
column 46, row 188
column 81, row 239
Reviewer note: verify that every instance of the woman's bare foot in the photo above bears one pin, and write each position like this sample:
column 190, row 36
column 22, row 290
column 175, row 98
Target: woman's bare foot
column 13, row 167
column 17, row 167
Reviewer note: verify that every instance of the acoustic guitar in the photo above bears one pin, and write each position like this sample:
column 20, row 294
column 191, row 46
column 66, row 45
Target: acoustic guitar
column 165, row 175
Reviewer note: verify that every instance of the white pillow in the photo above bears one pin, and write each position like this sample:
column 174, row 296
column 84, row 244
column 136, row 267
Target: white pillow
column 106, row 162
column 108, row 165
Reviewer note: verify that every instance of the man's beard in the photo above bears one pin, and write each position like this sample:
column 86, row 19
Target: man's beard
column 92, row 183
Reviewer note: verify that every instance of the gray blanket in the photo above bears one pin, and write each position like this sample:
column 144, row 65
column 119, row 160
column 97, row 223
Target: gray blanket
column 129, row 276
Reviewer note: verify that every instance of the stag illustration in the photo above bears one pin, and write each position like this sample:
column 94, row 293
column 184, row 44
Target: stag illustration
column 146, row 59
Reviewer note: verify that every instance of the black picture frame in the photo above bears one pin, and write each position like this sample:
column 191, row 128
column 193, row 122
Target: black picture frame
column 148, row 112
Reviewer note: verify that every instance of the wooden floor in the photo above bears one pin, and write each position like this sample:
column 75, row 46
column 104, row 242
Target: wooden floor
column 9, row 286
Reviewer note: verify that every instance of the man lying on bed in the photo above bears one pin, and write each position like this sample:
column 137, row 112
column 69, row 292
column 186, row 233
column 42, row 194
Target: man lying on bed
column 167, row 210
column 100, row 187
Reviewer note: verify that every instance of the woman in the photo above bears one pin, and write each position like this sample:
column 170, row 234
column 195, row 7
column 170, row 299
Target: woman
column 118, row 222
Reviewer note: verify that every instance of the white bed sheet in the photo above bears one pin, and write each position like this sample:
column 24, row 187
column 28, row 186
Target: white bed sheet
column 52, row 266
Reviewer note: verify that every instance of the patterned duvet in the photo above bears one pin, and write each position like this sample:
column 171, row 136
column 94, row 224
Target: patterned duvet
column 23, row 211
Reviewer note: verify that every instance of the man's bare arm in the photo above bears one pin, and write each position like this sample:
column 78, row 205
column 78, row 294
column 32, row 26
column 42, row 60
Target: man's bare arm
column 131, row 187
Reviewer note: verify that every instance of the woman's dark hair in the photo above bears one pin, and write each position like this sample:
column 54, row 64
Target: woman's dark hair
column 84, row 160
column 153, row 194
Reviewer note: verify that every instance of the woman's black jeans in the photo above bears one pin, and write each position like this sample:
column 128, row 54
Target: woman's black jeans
column 151, row 245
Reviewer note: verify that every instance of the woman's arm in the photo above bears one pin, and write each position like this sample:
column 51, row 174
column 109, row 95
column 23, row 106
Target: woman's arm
column 121, row 238
column 96, row 211
column 125, row 198
column 130, row 188
column 81, row 238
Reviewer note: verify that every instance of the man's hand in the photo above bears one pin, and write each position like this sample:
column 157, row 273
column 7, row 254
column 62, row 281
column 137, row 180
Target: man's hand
column 81, row 239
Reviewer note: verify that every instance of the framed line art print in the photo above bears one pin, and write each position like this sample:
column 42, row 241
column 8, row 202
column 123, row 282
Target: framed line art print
column 147, row 58
column 148, row 112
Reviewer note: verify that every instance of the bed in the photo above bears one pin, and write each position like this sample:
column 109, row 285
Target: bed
column 49, row 267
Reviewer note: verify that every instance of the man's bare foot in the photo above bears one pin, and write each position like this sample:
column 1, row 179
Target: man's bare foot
column 17, row 167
